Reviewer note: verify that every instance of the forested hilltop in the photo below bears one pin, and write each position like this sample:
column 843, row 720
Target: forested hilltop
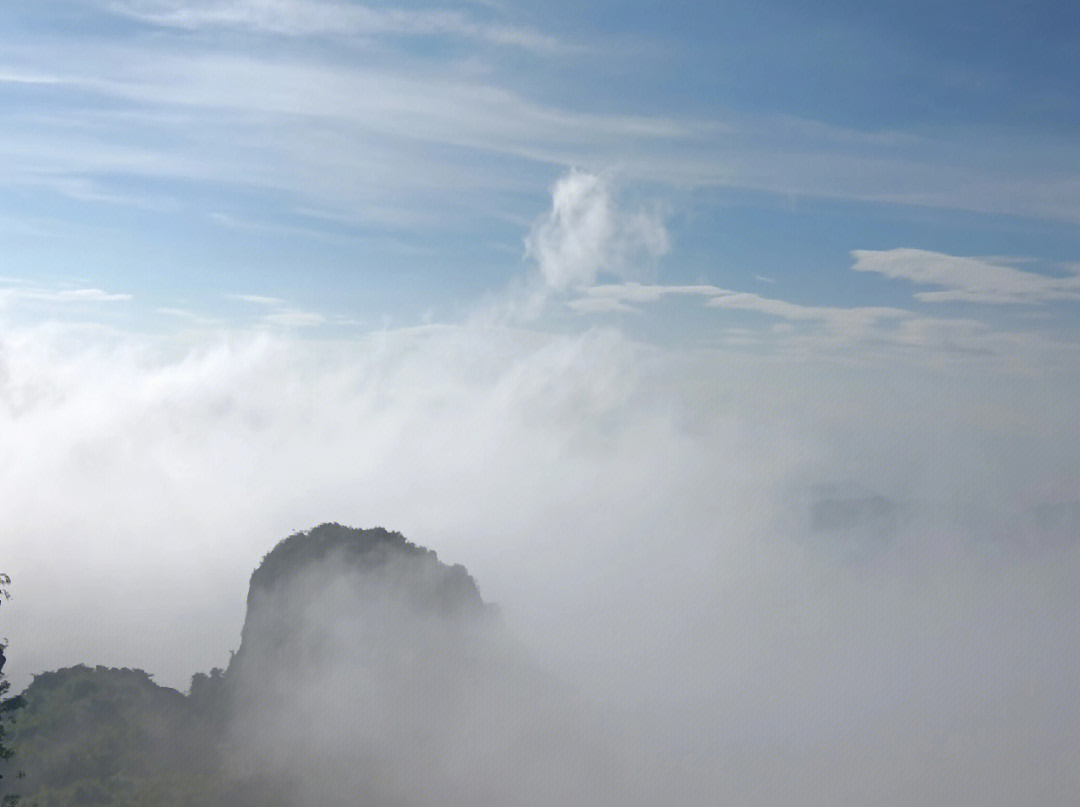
column 319, row 601
column 106, row 736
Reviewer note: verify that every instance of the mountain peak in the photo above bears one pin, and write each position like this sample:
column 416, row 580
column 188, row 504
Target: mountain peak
column 427, row 582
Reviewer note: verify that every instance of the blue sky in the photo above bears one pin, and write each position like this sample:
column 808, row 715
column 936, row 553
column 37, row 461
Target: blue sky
column 375, row 165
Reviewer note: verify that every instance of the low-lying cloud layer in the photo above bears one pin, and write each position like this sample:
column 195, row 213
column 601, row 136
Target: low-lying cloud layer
column 804, row 578
column 390, row 699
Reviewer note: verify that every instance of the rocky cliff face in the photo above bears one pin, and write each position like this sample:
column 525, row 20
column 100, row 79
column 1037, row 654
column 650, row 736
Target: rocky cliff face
column 428, row 583
column 369, row 668
column 334, row 587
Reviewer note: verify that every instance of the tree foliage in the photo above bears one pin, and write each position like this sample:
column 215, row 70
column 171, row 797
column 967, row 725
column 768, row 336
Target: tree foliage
column 110, row 737
column 7, row 704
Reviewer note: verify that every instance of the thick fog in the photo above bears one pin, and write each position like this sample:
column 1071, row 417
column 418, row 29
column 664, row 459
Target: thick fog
column 798, row 580
column 386, row 701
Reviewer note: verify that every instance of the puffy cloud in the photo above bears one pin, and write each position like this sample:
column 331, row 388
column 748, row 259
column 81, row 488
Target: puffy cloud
column 586, row 234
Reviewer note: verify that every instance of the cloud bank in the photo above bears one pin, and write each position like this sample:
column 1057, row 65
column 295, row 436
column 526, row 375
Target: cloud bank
column 677, row 534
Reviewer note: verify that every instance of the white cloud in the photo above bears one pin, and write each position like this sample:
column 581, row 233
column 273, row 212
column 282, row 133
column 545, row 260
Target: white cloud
column 590, row 304
column 327, row 18
column 854, row 321
column 423, row 147
column 587, row 234
column 10, row 76
column 609, row 297
column 84, row 295
column 283, row 315
column 881, row 335
column 630, row 508
column 837, row 316
column 295, row 319
column 256, row 299
column 427, row 139
column 89, row 295
column 861, row 333
column 977, row 280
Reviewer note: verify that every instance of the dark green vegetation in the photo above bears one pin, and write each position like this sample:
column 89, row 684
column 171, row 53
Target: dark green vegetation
column 113, row 736
column 103, row 736
column 429, row 584
column 7, row 705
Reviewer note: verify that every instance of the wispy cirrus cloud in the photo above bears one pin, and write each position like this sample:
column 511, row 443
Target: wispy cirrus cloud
column 280, row 312
column 625, row 296
column 817, row 329
column 369, row 144
column 335, row 132
column 71, row 295
column 13, row 76
column 256, row 299
column 291, row 318
column 88, row 295
column 330, row 18
column 964, row 279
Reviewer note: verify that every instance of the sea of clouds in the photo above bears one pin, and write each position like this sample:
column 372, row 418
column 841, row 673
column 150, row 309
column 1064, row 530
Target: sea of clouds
column 803, row 579
column 649, row 520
